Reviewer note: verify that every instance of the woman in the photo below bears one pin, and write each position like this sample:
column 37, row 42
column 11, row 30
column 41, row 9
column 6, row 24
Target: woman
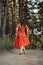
column 21, row 40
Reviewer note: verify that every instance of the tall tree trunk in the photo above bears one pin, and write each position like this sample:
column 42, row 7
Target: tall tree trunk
column 4, row 21
column 0, row 18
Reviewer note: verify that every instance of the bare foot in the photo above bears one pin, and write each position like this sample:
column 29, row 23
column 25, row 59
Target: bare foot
column 24, row 52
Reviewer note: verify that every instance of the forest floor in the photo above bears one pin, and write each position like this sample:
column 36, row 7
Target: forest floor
column 12, row 57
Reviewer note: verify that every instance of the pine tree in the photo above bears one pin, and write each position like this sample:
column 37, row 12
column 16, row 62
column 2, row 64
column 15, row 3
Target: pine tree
column 33, row 9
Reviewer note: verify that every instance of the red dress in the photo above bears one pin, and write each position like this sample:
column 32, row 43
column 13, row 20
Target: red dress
column 21, row 38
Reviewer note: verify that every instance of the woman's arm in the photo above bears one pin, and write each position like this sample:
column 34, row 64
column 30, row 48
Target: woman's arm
column 27, row 29
column 16, row 30
column 27, row 32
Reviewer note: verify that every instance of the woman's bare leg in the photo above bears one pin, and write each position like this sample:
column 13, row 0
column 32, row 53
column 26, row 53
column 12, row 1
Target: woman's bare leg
column 24, row 50
column 21, row 50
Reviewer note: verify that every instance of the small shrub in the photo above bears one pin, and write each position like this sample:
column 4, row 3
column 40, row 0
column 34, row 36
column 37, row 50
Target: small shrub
column 6, row 43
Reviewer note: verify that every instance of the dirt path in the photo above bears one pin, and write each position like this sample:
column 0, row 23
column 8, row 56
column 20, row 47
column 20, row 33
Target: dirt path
column 12, row 57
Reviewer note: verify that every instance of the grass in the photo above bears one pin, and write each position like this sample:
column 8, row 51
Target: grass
column 6, row 43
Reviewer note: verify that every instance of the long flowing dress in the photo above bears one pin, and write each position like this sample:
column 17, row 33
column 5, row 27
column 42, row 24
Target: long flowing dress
column 21, row 38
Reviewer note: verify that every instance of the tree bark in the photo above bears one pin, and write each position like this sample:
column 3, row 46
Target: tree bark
column 4, row 21
column 0, row 18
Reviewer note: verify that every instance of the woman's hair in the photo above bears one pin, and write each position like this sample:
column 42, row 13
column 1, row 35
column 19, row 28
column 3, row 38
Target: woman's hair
column 23, row 22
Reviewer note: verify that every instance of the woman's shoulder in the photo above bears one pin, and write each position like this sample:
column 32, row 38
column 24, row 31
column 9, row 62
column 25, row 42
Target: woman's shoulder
column 18, row 25
column 26, row 26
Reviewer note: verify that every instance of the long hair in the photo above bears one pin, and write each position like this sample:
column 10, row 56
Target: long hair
column 23, row 22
